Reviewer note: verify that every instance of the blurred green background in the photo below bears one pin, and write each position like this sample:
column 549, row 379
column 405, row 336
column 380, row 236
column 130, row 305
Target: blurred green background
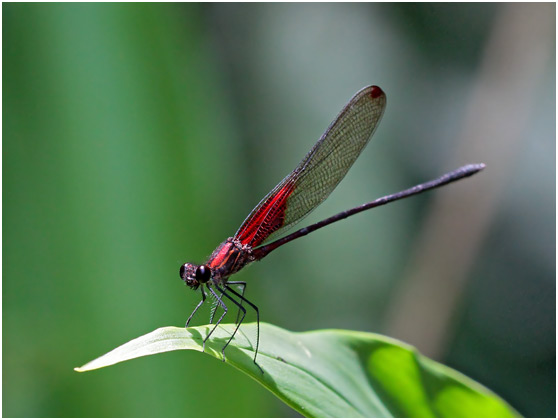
column 138, row 136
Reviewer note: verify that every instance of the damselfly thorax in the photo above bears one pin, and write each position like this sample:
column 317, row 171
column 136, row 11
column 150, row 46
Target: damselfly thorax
column 227, row 259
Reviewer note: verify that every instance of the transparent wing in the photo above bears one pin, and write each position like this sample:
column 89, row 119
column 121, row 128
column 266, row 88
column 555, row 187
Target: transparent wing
column 320, row 171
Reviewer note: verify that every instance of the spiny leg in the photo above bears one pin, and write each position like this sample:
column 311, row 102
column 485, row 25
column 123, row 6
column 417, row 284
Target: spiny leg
column 240, row 307
column 225, row 309
column 196, row 308
column 243, row 285
column 257, row 319
column 214, row 310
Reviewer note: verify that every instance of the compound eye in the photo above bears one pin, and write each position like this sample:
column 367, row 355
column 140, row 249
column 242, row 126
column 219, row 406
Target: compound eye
column 183, row 271
column 203, row 273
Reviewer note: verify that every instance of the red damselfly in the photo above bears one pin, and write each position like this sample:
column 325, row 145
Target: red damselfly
column 308, row 185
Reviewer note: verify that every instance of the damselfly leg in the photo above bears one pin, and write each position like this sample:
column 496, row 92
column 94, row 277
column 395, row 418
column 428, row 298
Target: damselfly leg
column 225, row 309
column 243, row 285
column 197, row 307
column 243, row 309
column 242, row 298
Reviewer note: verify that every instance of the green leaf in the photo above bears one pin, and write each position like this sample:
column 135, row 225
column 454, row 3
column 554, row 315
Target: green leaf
column 331, row 373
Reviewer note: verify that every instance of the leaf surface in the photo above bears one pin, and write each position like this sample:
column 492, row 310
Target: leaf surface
column 331, row 373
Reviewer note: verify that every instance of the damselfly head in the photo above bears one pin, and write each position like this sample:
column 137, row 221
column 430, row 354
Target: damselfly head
column 194, row 275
